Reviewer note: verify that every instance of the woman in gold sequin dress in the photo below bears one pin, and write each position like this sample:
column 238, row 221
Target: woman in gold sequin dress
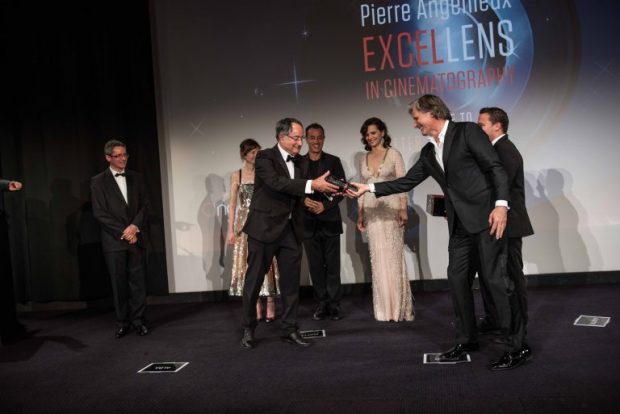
column 241, row 189
column 384, row 220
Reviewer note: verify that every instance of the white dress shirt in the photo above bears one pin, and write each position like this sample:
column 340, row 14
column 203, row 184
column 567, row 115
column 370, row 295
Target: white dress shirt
column 291, row 169
column 439, row 146
column 497, row 139
column 122, row 183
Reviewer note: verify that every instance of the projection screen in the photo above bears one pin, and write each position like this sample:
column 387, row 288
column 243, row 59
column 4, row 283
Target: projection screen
column 226, row 71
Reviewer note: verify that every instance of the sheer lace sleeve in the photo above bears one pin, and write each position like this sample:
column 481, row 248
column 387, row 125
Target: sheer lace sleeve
column 363, row 180
column 362, row 166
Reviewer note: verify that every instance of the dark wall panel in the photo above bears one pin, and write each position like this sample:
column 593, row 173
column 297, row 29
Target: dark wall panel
column 79, row 73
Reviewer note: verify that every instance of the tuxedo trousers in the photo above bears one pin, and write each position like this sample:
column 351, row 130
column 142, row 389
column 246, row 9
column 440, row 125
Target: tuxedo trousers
column 518, row 303
column 287, row 250
column 323, row 252
column 464, row 248
column 126, row 268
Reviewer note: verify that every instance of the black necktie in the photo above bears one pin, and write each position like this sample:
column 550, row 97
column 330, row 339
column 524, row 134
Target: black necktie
column 291, row 158
column 119, row 174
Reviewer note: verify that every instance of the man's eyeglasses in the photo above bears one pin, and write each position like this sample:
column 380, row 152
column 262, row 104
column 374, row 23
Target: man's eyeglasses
column 120, row 156
column 298, row 139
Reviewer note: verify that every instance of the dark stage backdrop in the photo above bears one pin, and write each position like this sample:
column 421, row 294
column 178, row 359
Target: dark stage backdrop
column 229, row 70
column 75, row 75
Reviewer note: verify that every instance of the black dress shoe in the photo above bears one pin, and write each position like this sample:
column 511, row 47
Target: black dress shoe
column 512, row 360
column 269, row 320
column 247, row 340
column 334, row 314
column 122, row 331
column 526, row 351
column 459, row 350
column 142, row 330
column 320, row 313
column 295, row 339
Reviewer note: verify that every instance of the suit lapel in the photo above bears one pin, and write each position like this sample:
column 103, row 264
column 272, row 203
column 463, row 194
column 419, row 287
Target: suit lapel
column 430, row 156
column 502, row 139
column 113, row 186
column 130, row 193
column 436, row 170
column 447, row 145
column 297, row 168
column 280, row 160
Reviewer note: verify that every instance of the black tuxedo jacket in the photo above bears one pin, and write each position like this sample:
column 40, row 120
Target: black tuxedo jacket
column 276, row 197
column 329, row 221
column 473, row 179
column 518, row 220
column 113, row 213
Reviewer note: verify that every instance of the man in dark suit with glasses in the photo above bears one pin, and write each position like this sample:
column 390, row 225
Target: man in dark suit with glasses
column 121, row 205
column 275, row 227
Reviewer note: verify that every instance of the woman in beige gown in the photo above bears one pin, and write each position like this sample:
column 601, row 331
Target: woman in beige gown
column 384, row 220
column 241, row 188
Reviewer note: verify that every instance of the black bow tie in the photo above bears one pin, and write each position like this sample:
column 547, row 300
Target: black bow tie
column 291, row 158
column 119, row 174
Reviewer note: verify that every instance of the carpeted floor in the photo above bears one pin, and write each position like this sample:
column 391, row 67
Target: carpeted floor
column 73, row 363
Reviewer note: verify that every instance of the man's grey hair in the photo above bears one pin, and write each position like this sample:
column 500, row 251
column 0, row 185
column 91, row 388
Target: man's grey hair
column 432, row 104
column 109, row 146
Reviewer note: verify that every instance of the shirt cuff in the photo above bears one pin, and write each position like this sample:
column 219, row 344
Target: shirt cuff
column 371, row 187
column 309, row 189
column 501, row 203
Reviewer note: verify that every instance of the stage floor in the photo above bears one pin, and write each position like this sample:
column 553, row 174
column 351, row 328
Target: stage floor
column 73, row 363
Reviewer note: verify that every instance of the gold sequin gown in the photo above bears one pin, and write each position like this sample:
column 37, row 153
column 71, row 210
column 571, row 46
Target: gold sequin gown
column 240, row 251
column 391, row 291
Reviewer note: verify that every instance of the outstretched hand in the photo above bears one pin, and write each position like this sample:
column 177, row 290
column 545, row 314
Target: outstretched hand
column 319, row 184
column 361, row 189
column 15, row 186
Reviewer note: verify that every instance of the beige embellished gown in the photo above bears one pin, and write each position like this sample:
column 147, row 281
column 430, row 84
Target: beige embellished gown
column 240, row 251
column 392, row 298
